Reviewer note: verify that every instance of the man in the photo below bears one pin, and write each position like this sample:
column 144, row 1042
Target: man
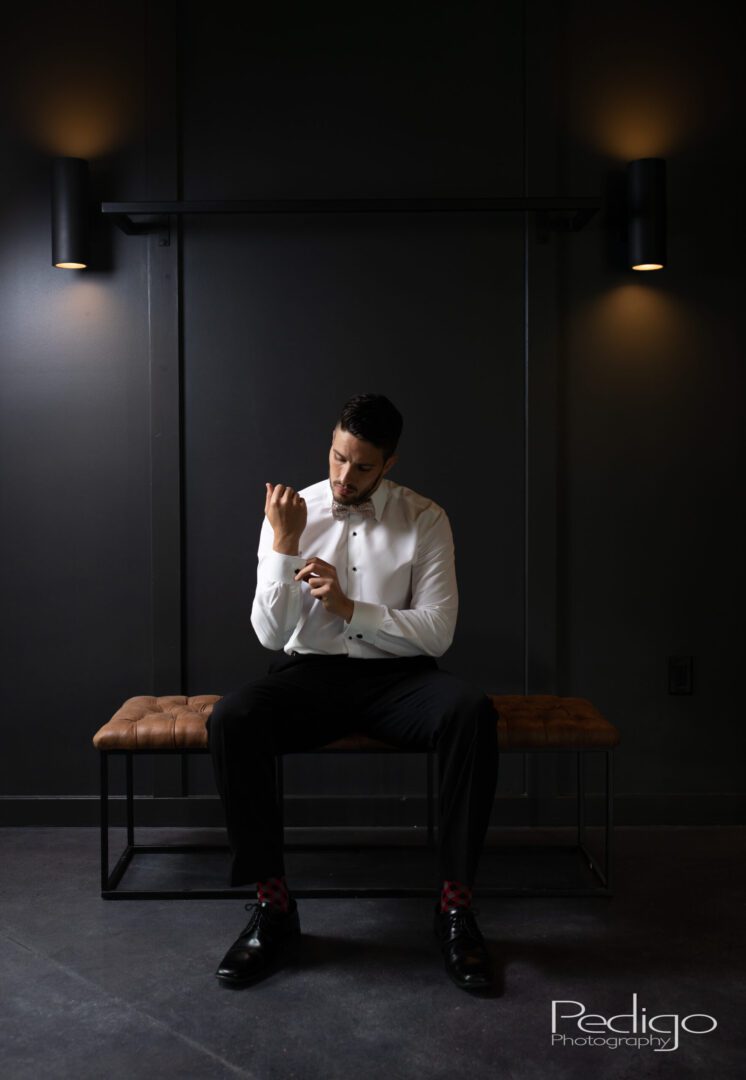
column 356, row 585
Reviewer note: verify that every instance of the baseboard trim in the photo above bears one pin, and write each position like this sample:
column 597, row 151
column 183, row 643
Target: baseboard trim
column 384, row 810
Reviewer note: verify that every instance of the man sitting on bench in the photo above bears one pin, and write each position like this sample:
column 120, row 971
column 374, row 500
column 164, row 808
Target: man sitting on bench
column 356, row 584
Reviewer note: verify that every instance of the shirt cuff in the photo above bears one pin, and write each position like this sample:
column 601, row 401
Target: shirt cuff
column 275, row 566
column 366, row 620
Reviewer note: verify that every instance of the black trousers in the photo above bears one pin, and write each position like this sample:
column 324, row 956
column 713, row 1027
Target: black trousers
column 307, row 700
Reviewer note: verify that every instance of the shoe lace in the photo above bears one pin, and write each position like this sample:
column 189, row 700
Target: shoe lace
column 257, row 911
column 462, row 923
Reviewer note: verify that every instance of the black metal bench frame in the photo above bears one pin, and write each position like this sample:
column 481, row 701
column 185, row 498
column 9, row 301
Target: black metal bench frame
column 111, row 879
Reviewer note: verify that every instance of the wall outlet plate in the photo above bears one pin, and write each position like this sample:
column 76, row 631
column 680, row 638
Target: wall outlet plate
column 680, row 674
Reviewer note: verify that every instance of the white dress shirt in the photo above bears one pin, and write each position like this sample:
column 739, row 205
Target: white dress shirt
column 397, row 567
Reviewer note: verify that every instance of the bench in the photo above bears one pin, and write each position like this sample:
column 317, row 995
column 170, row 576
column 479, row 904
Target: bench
column 175, row 725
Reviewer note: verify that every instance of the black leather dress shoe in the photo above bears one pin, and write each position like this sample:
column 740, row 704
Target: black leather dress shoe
column 466, row 958
column 270, row 936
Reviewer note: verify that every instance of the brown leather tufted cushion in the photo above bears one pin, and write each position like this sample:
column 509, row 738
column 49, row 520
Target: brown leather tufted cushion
column 536, row 722
column 172, row 722
column 548, row 722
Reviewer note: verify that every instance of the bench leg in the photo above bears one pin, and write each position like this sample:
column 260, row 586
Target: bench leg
column 130, row 802
column 430, row 800
column 608, row 862
column 580, row 796
column 280, row 784
column 109, row 881
column 104, row 817
column 604, row 875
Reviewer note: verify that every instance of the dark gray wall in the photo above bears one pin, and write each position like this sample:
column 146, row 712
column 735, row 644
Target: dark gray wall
column 652, row 386
column 586, row 445
column 74, row 387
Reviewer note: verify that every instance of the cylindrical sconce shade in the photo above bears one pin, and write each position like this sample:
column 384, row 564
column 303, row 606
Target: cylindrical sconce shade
column 646, row 208
column 70, row 213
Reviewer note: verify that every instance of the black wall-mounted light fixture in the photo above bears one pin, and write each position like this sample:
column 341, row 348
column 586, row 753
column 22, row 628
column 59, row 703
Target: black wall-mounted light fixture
column 70, row 214
column 646, row 214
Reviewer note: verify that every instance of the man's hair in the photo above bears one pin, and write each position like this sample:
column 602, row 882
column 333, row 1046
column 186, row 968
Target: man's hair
column 373, row 418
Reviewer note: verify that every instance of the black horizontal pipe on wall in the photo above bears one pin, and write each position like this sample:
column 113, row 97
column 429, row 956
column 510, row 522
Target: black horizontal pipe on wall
column 580, row 209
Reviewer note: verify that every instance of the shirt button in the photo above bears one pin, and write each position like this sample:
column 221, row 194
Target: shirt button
column 358, row 635
column 354, row 568
column 349, row 637
column 354, row 534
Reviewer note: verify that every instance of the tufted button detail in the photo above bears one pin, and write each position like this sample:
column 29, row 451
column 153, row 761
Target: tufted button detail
column 542, row 721
column 173, row 722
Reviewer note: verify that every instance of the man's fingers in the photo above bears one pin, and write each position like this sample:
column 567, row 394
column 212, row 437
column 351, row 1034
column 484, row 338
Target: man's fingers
column 307, row 569
column 279, row 490
column 282, row 493
column 314, row 565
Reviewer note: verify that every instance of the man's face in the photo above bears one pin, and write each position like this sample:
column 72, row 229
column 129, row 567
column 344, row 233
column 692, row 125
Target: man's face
column 355, row 465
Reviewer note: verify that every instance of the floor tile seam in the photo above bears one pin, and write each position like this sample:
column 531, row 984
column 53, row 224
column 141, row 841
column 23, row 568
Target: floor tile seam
column 134, row 1009
column 6, row 933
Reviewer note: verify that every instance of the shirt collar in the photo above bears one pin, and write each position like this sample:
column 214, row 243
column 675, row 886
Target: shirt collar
column 379, row 497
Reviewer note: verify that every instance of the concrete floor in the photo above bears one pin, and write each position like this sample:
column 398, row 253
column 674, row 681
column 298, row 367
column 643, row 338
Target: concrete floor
column 108, row 989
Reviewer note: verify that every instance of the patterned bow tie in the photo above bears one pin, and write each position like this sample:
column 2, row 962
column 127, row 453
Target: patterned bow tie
column 367, row 509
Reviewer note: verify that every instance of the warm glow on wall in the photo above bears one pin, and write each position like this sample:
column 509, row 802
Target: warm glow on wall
column 627, row 123
column 83, row 122
column 83, row 100
column 636, row 330
column 634, row 96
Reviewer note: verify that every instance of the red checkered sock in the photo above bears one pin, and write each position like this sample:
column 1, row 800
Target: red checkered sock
column 275, row 891
column 454, row 894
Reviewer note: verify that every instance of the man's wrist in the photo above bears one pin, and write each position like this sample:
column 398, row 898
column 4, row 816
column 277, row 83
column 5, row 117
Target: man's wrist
column 286, row 545
column 349, row 611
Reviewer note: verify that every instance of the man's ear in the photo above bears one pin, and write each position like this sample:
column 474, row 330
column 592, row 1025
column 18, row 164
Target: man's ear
column 390, row 463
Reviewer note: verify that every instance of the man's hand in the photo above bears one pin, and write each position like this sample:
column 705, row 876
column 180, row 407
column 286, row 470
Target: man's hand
column 287, row 514
column 321, row 578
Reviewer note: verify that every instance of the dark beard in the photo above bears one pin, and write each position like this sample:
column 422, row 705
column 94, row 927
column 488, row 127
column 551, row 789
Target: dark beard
column 357, row 501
